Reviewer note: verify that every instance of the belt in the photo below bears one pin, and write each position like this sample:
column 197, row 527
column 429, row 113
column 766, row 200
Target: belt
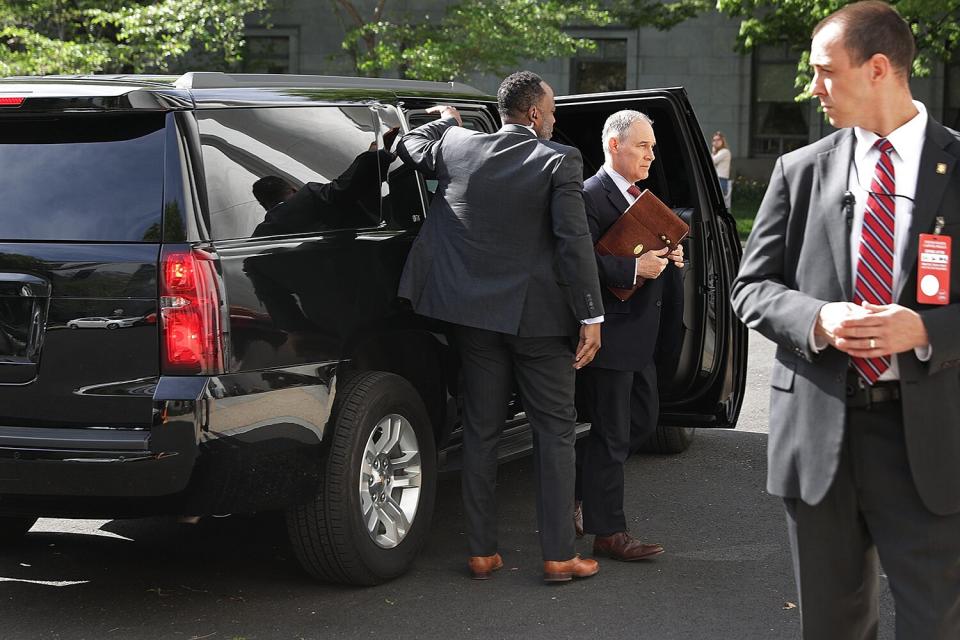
column 860, row 395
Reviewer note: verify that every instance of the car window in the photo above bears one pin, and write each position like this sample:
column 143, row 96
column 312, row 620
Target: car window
column 279, row 171
column 91, row 177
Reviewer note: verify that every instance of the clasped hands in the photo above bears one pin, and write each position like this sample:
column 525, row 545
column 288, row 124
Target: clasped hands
column 870, row 330
column 651, row 264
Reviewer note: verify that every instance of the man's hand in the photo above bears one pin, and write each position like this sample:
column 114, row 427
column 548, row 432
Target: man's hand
column 881, row 330
column 676, row 256
column 651, row 264
column 446, row 111
column 589, row 345
column 831, row 318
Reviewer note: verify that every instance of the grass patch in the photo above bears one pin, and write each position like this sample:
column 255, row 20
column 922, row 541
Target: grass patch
column 745, row 201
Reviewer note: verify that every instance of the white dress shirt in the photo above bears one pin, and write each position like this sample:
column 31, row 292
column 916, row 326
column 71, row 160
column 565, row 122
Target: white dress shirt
column 907, row 141
column 623, row 184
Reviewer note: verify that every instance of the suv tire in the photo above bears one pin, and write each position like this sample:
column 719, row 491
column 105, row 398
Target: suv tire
column 352, row 532
column 14, row 528
column 668, row 440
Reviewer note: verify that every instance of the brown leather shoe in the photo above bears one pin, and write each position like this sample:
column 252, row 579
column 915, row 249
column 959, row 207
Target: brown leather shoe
column 482, row 567
column 578, row 518
column 623, row 546
column 566, row 570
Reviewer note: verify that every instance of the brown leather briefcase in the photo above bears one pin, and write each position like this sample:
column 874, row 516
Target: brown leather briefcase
column 646, row 225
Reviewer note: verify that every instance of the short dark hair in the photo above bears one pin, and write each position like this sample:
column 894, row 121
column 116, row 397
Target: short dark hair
column 271, row 190
column 872, row 27
column 518, row 92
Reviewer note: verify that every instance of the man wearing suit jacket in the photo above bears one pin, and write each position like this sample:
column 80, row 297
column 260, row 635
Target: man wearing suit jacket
column 505, row 257
column 865, row 401
column 619, row 388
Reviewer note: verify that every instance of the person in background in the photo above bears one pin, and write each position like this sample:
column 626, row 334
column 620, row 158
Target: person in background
column 721, row 162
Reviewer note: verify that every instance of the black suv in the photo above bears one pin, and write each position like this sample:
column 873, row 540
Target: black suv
column 198, row 309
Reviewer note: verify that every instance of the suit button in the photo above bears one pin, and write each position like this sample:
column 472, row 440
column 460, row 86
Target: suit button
column 659, row 304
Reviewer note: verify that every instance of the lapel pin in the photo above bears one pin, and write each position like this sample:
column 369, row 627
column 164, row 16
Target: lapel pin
column 942, row 168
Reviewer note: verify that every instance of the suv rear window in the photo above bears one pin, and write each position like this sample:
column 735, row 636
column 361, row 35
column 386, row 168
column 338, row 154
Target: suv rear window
column 82, row 178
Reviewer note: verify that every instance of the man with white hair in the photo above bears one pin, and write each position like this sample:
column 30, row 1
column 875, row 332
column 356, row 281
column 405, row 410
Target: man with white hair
column 619, row 387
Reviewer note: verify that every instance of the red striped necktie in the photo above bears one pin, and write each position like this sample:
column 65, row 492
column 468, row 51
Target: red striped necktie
column 875, row 266
column 634, row 190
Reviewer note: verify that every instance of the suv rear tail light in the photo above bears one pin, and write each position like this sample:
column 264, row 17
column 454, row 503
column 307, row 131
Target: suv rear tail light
column 191, row 329
column 11, row 101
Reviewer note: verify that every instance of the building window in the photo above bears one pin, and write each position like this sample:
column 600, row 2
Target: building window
column 603, row 69
column 270, row 51
column 951, row 95
column 778, row 124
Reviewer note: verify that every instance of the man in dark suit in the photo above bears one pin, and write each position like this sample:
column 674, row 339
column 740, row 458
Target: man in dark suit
column 505, row 257
column 619, row 388
column 865, row 401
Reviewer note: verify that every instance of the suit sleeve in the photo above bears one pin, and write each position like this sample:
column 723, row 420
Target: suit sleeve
column 941, row 324
column 421, row 147
column 761, row 296
column 575, row 254
column 615, row 271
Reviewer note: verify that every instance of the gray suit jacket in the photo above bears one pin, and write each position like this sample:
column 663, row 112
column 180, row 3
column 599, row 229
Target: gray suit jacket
column 798, row 259
column 505, row 246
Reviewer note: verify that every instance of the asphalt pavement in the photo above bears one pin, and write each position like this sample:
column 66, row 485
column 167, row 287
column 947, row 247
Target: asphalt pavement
column 725, row 574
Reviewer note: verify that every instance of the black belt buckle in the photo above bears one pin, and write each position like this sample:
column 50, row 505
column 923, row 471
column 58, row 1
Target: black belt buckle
column 861, row 395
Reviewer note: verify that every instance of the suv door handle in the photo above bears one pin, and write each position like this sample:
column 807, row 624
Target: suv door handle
column 23, row 285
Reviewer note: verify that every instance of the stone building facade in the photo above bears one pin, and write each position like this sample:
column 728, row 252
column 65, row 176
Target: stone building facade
column 747, row 96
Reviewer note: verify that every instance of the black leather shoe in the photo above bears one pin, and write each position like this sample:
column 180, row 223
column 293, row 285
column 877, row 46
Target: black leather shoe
column 578, row 518
column 623, row 546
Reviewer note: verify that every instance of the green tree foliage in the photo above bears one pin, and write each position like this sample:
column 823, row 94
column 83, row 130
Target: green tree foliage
column 116, row 36
column 654, row 13
column 472, row 36
column 934, row 24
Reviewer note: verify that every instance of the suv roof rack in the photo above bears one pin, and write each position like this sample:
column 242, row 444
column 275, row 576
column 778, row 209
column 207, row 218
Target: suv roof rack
column 218, row 80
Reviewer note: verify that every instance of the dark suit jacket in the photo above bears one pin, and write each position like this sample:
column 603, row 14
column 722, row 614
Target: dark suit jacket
column 505, row 246
column 631, row 329
column 798, row 259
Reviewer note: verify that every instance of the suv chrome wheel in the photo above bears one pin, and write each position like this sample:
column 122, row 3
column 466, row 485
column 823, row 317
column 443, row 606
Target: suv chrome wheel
column 390, row 480
column 372, row 510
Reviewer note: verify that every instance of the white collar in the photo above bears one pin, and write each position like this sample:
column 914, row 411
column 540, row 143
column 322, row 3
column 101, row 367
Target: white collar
column 907, row 139
column 622, row 183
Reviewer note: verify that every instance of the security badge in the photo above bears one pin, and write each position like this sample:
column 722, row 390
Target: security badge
column 933, row 266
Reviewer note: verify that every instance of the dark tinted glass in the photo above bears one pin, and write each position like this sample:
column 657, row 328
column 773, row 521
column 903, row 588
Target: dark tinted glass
column 82, row 178
column 279, row 171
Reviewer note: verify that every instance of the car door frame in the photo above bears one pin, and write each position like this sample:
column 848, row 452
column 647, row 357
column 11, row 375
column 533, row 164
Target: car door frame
column 715, row 397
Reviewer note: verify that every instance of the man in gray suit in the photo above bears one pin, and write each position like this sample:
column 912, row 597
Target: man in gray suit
column 505, row 256
column 865, row 401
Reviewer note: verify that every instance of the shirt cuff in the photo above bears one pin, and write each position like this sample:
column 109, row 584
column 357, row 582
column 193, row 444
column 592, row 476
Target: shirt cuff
column 596, row 320
column 924, row 353
column 635, row 272
column 816, row 345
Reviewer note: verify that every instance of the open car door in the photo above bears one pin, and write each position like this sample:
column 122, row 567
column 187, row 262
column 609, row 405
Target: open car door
column 703, row 380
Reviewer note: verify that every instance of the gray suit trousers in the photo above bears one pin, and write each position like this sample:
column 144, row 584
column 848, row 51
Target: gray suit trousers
column 873, row 515
column 543, row 369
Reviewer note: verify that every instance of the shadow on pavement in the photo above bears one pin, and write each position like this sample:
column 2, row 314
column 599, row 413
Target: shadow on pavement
column 725, row 573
